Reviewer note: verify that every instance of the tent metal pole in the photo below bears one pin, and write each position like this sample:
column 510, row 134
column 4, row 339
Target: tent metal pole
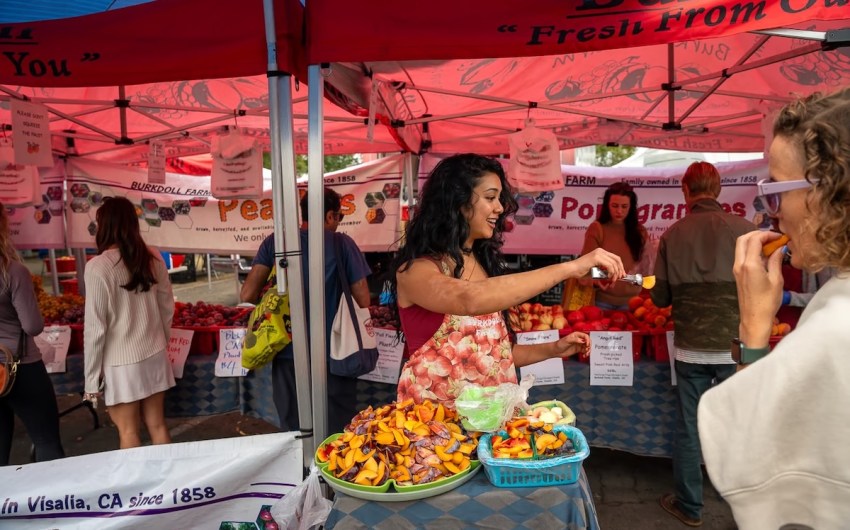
column 316, row 246
column 122, row 111
column 671, row 85
column 286, row 235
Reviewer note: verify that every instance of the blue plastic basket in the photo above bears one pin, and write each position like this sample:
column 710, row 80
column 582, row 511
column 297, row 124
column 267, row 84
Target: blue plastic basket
column 516, row 473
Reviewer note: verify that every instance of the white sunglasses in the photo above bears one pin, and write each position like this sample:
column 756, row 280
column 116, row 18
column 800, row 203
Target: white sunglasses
column 770, row 193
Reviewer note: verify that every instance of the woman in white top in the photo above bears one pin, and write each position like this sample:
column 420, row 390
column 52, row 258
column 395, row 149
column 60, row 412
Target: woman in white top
column 129, row 307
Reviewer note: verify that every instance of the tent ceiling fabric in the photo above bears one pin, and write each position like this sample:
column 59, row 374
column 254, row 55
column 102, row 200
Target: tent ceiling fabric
column 33, row 10
column 709, row 95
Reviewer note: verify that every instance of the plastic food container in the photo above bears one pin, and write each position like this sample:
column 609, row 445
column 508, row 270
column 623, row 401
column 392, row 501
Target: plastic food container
column 516, row 473
column 481, row 408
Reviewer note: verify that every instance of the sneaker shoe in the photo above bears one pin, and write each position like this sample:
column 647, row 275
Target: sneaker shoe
column 671, row 506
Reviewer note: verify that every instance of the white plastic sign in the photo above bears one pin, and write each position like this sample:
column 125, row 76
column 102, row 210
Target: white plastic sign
column 54, row 342
column 390, row 352
column 178, row 349
column 611, row 359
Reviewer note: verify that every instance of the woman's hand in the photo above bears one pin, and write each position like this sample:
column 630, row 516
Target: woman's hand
column 599, row 258
column 759, row 281
column 572, row 344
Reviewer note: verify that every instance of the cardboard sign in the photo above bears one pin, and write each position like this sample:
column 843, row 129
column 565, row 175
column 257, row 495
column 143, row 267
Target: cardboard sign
column 548, row 372
column 31, row 132
column 611, row 361
column 229, row 362
column 178, row 349
column 390, row 352
column 54, row 342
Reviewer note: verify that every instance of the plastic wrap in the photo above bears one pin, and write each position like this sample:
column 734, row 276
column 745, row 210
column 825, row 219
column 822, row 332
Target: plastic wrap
column 487, row 409
column 304, row 507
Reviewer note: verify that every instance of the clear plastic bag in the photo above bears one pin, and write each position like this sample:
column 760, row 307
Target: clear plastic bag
column 304, row 507
column 487, row 409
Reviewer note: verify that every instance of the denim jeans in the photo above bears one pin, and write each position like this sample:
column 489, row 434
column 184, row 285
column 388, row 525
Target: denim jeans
column 692, row 382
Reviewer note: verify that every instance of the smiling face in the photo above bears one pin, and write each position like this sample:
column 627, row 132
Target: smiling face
column 786, row 164
column 618, row 207
column 484, row 208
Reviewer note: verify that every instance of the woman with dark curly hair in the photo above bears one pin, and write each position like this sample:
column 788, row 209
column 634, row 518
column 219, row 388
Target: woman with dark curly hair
column 774, row 436
column 617, row 230
column 129, row 307
column 452, row 290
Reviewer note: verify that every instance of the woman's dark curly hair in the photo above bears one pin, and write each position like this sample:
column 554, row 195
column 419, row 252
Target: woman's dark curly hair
column 439, row 228
column 634, row 236
column 819, row 126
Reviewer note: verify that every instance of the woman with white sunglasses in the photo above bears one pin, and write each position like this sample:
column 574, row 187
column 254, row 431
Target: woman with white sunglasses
column 775, row 435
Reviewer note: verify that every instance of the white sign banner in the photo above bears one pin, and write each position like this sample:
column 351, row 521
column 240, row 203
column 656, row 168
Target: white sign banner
column 178, row 349
column 182, row 216
column 555, row 222
column 41, row 225
column 203, row 484
column 19, row 184
column 54, row 342
column 611, row 359
column 390, row 352
column 548, row 372
column 229, row 362
column 31, row 133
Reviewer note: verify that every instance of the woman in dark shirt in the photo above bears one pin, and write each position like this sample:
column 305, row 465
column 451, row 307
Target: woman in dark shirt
column 32, row 398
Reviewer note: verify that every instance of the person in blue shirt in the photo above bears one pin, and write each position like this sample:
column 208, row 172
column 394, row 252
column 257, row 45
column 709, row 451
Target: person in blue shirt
column 341, row 390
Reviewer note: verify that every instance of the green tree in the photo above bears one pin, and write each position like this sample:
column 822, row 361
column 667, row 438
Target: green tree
column 607, row 156
column 332, row 162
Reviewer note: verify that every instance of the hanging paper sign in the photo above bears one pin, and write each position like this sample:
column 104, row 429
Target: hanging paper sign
column 611, row 361
column 156, row 163
column 19, row 184
column 535, row 163
column 53, row 342
column 548, row 372
column 237, row 170
column 229, row 362
column 178, row 349
column 31, row 132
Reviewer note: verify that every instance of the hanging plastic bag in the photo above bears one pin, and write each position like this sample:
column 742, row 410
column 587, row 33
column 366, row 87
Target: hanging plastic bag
column 488, row 408
column 304, row 507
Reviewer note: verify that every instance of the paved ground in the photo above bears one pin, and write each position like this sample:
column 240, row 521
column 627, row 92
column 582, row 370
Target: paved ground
column 626, row 487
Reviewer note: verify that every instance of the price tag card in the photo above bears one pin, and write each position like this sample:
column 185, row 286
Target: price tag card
column 178, row 349
column 229, row 362
column 54, row 342
column 548, row 372
column 611, row 361
column 390, row 352
column 156, row 162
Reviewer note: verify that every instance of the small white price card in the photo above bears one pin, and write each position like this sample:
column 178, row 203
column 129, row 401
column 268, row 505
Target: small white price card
column 229, row 362
column 611, row 360
column 53, row 343
column 548, row 372
column 178, row 349
column 390, row 351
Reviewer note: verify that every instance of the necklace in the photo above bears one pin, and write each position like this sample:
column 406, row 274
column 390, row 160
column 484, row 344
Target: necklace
column 472, row 271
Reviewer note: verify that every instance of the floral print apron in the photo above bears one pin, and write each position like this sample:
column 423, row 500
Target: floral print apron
column 475, row 349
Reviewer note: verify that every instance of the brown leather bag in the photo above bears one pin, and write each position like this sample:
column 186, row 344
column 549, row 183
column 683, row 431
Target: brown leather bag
column 9, row 366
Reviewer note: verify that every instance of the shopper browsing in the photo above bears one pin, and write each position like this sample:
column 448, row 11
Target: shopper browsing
column 129, row 307
column 449, row 279
column 32, row 398
column 693, row 272
column 342, row 405
column 774, row 437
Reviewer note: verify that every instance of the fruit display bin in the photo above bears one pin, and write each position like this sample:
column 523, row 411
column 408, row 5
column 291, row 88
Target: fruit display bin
column 515, row 473
column 77, row 344
column 657, row 346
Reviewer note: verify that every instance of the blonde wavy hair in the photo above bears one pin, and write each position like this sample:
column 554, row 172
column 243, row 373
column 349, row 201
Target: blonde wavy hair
column 8, row 253
column 819, row 126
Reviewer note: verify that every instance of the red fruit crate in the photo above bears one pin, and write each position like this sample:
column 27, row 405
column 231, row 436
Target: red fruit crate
column 77, row 343
column 657, row 346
